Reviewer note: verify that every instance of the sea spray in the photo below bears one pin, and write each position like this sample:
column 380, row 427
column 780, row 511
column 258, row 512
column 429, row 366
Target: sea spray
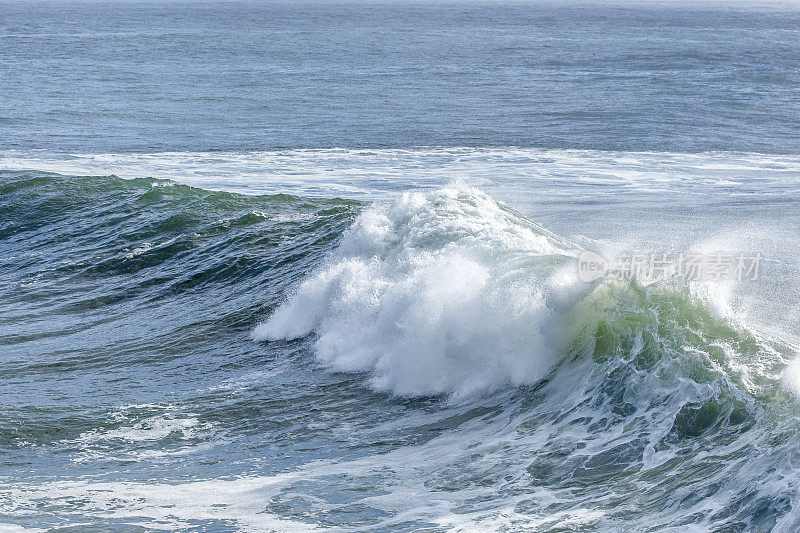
column 451, row 293
column 446, row 292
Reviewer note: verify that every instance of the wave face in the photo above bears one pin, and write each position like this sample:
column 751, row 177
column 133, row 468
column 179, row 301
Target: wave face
column 428, row 361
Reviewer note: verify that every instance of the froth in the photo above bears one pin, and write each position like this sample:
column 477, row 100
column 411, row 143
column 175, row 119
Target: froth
column 446, row 292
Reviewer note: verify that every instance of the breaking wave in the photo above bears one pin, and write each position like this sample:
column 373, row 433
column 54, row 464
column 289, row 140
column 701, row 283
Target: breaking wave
column 451, row 293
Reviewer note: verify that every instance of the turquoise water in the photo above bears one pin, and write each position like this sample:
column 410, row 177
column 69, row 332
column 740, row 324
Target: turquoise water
column 272, row 267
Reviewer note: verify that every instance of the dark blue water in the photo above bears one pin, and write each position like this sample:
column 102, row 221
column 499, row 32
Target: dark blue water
column 161, row 76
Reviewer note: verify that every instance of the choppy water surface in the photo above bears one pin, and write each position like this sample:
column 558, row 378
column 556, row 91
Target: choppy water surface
column 176, row 357
column 285, row 267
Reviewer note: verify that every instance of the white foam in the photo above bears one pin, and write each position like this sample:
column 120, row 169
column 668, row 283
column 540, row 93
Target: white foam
column 155, row 428
column 444, row 292
column 137, row 433
column 165, row 506
column 13, row 528
column 791, row 376
column 509, row 172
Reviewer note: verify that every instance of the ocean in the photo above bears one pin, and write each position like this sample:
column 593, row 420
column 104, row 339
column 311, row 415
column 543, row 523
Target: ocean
column 399, row 266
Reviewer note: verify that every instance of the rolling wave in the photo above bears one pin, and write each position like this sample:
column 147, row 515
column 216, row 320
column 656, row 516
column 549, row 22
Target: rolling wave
column 449, row 292
column 569, row 402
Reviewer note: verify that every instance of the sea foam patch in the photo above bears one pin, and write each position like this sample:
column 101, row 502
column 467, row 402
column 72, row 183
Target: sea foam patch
column 447, row 292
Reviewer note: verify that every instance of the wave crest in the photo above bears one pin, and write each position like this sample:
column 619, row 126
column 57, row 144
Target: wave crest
column 447, row 292
column 450, row 293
